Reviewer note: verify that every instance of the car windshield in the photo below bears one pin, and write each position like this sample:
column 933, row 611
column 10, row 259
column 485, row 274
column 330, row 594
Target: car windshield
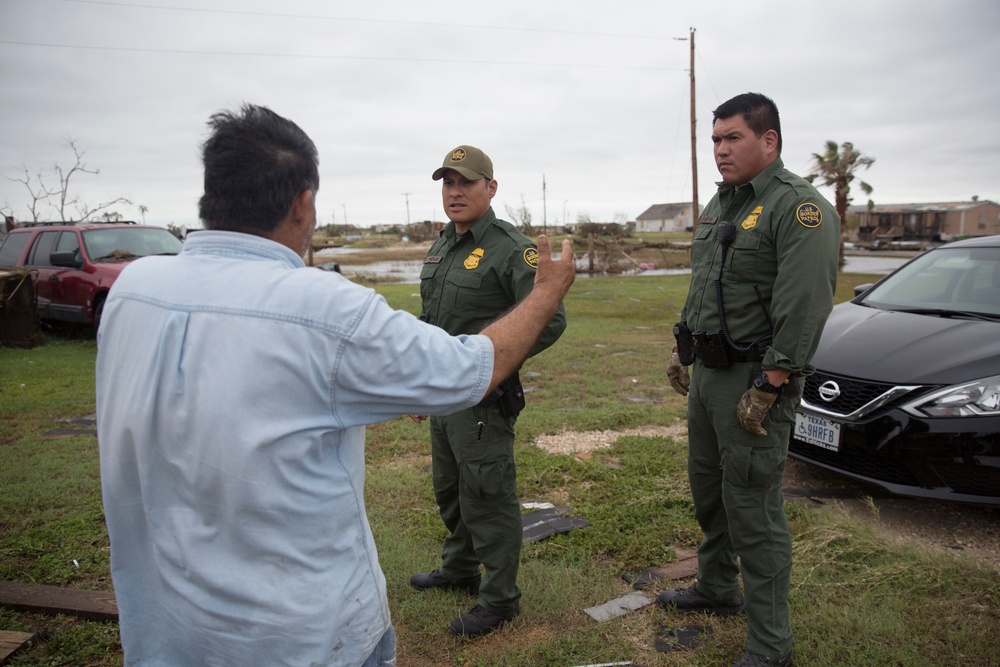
column 945, row 281
column 129, row 243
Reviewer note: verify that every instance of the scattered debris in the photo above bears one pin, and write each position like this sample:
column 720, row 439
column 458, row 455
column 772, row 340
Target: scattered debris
column 41, row 599
column 547, row 522
column 537, row 506
column 12, row 642
column 618, row 606
column 88, row 427
column 684, row 567
column 683, row 636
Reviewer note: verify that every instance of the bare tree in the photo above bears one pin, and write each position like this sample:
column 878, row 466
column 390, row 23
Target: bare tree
column 57, row 196
column 521, row 217
column 38, row 193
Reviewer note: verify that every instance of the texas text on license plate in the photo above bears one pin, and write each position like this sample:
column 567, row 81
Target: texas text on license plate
column 817, row 430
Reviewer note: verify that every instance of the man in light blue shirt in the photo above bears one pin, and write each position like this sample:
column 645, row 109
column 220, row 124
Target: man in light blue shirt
column 233, row 387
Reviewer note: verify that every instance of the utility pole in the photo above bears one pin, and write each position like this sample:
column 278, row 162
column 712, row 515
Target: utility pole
column 407, row 195
column 345, row 217
column 694, row 153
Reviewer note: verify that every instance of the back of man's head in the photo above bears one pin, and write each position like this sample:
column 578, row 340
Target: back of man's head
column 759, row 112
column 256, row 163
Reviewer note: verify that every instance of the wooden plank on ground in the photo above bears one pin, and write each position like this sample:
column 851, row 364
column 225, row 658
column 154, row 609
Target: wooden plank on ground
column 12, row 642
column 92, row 605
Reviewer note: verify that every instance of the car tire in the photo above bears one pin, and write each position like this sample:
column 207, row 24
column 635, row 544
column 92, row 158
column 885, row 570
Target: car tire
column 98, row 313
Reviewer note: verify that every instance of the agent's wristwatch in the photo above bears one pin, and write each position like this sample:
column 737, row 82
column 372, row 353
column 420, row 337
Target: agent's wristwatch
column 761, row 382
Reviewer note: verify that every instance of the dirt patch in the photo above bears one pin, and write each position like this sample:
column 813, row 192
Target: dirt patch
column 578, row 442
column 965, row 531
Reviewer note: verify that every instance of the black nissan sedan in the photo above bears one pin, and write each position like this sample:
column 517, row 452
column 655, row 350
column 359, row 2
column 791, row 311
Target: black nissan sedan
column 907, row 389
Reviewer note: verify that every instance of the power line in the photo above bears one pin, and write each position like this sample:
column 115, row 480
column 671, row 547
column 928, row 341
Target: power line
column 125, row 49
column 359, row 20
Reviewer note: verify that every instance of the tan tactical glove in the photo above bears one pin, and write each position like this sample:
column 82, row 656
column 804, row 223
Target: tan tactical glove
column 752, row 407
column 678, row 374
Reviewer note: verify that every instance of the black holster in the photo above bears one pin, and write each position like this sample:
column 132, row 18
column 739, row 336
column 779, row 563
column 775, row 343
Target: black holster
column 711, row 348
column 685, row 343
column 509, row 396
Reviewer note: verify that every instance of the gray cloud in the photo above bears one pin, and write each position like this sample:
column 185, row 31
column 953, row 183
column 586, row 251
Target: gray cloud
column 593, row 95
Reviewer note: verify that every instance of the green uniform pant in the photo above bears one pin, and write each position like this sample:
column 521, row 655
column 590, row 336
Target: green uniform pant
column 736, row 485
column 475, row 485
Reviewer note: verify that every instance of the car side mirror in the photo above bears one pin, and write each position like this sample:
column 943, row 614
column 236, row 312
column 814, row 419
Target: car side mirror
column 67, row 259
column 861, row 289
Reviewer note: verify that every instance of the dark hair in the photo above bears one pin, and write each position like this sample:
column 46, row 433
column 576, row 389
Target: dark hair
column 256, row 163
column 759, row 111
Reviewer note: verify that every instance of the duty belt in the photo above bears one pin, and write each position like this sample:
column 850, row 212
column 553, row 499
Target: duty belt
column 712, row 348
column 755, row 353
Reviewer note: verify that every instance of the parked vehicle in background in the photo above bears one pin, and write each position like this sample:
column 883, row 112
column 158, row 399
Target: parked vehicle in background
column 76, row 263
column 907, row 389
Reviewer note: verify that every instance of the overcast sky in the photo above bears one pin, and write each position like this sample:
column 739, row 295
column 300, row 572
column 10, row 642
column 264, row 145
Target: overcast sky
column 592, row 95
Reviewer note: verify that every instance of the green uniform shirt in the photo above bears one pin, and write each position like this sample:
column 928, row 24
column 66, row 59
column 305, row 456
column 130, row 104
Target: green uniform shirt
column 787, row 245
column 468, row 281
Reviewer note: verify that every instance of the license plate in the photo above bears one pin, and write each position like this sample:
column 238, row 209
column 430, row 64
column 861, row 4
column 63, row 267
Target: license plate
column 817, row 430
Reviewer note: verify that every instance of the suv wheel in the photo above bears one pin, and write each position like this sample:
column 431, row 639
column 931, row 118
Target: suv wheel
column 98, row 313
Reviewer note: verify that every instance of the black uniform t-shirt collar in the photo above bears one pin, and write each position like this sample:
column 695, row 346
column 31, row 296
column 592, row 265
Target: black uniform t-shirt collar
column 760, row 181
column 478, row 228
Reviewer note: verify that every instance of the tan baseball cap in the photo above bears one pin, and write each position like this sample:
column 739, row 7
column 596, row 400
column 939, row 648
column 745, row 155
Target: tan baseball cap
column 469, row 161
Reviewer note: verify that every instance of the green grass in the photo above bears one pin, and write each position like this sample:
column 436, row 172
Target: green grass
column 857, row 599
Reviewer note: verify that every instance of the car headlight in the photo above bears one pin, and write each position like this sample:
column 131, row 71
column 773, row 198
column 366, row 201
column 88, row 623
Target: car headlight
column 980, row 398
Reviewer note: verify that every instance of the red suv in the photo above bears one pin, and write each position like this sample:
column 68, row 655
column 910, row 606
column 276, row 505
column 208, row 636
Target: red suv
column 77, row 262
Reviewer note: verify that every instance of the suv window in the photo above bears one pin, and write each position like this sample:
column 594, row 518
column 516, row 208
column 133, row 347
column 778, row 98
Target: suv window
column 11, row 249
column 68, row 242
column 128, row 243
column 44, row 246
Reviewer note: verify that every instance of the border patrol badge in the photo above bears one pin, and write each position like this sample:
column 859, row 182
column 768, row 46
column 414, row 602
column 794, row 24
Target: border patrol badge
column 458, row 155
column 531, row 257
column 751, row 220
column 472, row 261
column 809, row 215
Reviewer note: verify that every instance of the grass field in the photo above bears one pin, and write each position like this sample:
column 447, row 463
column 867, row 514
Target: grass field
column 857, row 600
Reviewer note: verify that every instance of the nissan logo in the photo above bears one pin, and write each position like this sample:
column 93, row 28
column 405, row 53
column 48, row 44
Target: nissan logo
column 829, row 391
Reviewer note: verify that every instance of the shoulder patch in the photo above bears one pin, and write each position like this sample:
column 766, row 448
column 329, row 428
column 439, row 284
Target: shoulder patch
column 531, row 257
column 809, row 215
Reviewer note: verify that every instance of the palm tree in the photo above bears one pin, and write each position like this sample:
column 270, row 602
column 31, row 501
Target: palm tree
column 837, row 167
column 142, row 209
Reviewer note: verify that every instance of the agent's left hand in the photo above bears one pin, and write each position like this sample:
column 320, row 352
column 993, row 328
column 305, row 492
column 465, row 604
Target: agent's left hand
column 752, row 408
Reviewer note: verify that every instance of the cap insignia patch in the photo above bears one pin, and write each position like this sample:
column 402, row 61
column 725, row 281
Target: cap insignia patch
column 472, row 261
column 809, row 215
column 531, row 257
column 751, row 220
column 458, row 155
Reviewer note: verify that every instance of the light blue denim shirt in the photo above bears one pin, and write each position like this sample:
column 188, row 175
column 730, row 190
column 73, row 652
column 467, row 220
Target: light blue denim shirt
column 233, row 386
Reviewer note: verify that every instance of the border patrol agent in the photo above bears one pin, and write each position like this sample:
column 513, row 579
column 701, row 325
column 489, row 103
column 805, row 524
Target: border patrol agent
column 764, row 270
column 478, row 269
